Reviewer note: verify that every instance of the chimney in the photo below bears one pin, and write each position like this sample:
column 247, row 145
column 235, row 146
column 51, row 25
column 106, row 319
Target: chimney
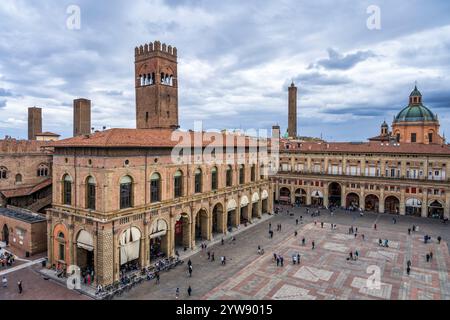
column 81, row 117
column 34, row 122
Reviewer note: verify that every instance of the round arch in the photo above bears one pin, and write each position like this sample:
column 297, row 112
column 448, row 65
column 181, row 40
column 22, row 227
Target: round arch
column 334, row 194
column 413, row 207
column 352, row 200
column 435, row 209
column 129, row 242
column 372, row 203
column 392, row 205
column 285, row 195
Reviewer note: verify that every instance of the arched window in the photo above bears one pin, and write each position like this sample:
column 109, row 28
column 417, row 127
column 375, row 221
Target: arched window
column 241, row 174
column 18, row 178
column 261, row 172
column 198, row 180
column 229, row 177
column 214, row 180
column 155, row 187
column 178, row 184
column 67, row 190
column 61, row 235
column 90, row 193
column 3, row 173
column 126, row 192
column 253, row 173
column 42, row 171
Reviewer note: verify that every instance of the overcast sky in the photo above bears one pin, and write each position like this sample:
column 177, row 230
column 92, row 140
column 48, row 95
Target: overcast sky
column 236, row 59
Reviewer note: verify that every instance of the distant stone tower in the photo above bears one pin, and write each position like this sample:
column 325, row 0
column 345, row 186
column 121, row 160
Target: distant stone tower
column 34, row 122
column 292, row 120
column 81, row 117
column 156, row 86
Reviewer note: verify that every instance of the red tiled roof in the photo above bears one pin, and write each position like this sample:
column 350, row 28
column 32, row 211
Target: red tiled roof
column 367, row 147
column 26, row 191
column 128, row 138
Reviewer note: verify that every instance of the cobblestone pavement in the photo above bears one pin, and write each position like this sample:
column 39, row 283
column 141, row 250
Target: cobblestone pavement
column 324, row 273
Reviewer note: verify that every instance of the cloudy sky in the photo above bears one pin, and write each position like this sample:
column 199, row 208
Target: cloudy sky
column 236, row 59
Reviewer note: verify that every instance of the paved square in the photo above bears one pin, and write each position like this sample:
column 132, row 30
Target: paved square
column 325, row 272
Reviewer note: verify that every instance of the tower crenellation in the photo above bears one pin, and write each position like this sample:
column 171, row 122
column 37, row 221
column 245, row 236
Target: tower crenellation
column 156, row 83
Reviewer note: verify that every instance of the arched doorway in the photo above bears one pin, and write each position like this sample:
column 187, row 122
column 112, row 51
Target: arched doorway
column 334, row 194
column 232, row 214
column 435, row 210
column 5, row 234
column 159, row 240
column 413, row 207
column 201, row 225
column 182, row 232
column 372, row 203
column 285, row 196
column 265, row 197
column 85, row 252
column 130, row 244
column 352, row 201
column 255, row 205
column 317, row 198
column 217, row 216
column 300, row 196
column 391, row 205
column 245, row 215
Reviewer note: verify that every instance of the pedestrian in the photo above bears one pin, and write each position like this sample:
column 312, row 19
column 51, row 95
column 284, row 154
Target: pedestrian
column 356, row 230
column 209, row 255
column 303, row 241
column 298, row 258
column 189, row 291
column 351, row 255
column 281, row 261
column 301, row 218
column 409, row 231
column 439, row 239
column 408, row 270
column 356, row 235
column 212, row 257
column 408, row 263
column 4, row 282
column 375, row 226
column 274, row 257
column 189, row 263
column 363, row 237
column 157, row 277
column 280, row 226
column 296, row 222
column 356, row 255
column 177, row 293
column 428, row 257
column 321, row 225
column 313, row 245
column 222, row 260
column 295, row 233
column 190, row 271
column 19, row 285
column 278, row 261
column 271, row 234
column 270, row 226
column 222, row 241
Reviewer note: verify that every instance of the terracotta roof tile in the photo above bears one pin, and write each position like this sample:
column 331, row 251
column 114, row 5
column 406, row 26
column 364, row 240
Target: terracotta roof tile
column 128, row 138
column 26, row 191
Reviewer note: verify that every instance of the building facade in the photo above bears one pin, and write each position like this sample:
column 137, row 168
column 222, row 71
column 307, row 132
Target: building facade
column 122, row 199
column 405, row 172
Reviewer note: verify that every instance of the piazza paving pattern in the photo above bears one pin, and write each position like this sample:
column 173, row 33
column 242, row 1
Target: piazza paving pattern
column 325, row 272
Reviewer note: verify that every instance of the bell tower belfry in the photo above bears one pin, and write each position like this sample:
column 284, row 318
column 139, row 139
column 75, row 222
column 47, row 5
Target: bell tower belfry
column 156, row 82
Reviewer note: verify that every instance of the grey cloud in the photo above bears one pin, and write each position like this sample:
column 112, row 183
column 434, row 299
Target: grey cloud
column 339, row 61
column 316, row 78
column 2, row 103
column 5, row 93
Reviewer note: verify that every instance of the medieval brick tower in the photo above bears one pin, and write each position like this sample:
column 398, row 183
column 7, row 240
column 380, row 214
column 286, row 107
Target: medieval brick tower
column 34, row 122
column 81, row 117
column 292, row 120
column 156, row 86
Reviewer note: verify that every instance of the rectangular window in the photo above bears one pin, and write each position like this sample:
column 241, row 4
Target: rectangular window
column 253, row 174
column 178, row 184
column 241, row 176
column 413, row 137
column 198, row 183
column 91, row 196
column 62, row 255
column 125, row 195
column 229, row 177
column 214, row 183
column 67, row 193
column 154, row 190
column 430, row 138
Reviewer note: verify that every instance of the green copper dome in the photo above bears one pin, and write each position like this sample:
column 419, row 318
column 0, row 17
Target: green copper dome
column 415, row 111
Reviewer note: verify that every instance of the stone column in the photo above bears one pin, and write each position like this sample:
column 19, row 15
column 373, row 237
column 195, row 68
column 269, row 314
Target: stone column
column 362, row 195
column 50, row 248
column 292, row 188
column 192, row 233
column 106, row 257
column 381, row 200
column 142, row 251
column 325, row 195
column 424, row 203
column 308, row 195
column 447, row 204
column 402, row 201
column 343, row 192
